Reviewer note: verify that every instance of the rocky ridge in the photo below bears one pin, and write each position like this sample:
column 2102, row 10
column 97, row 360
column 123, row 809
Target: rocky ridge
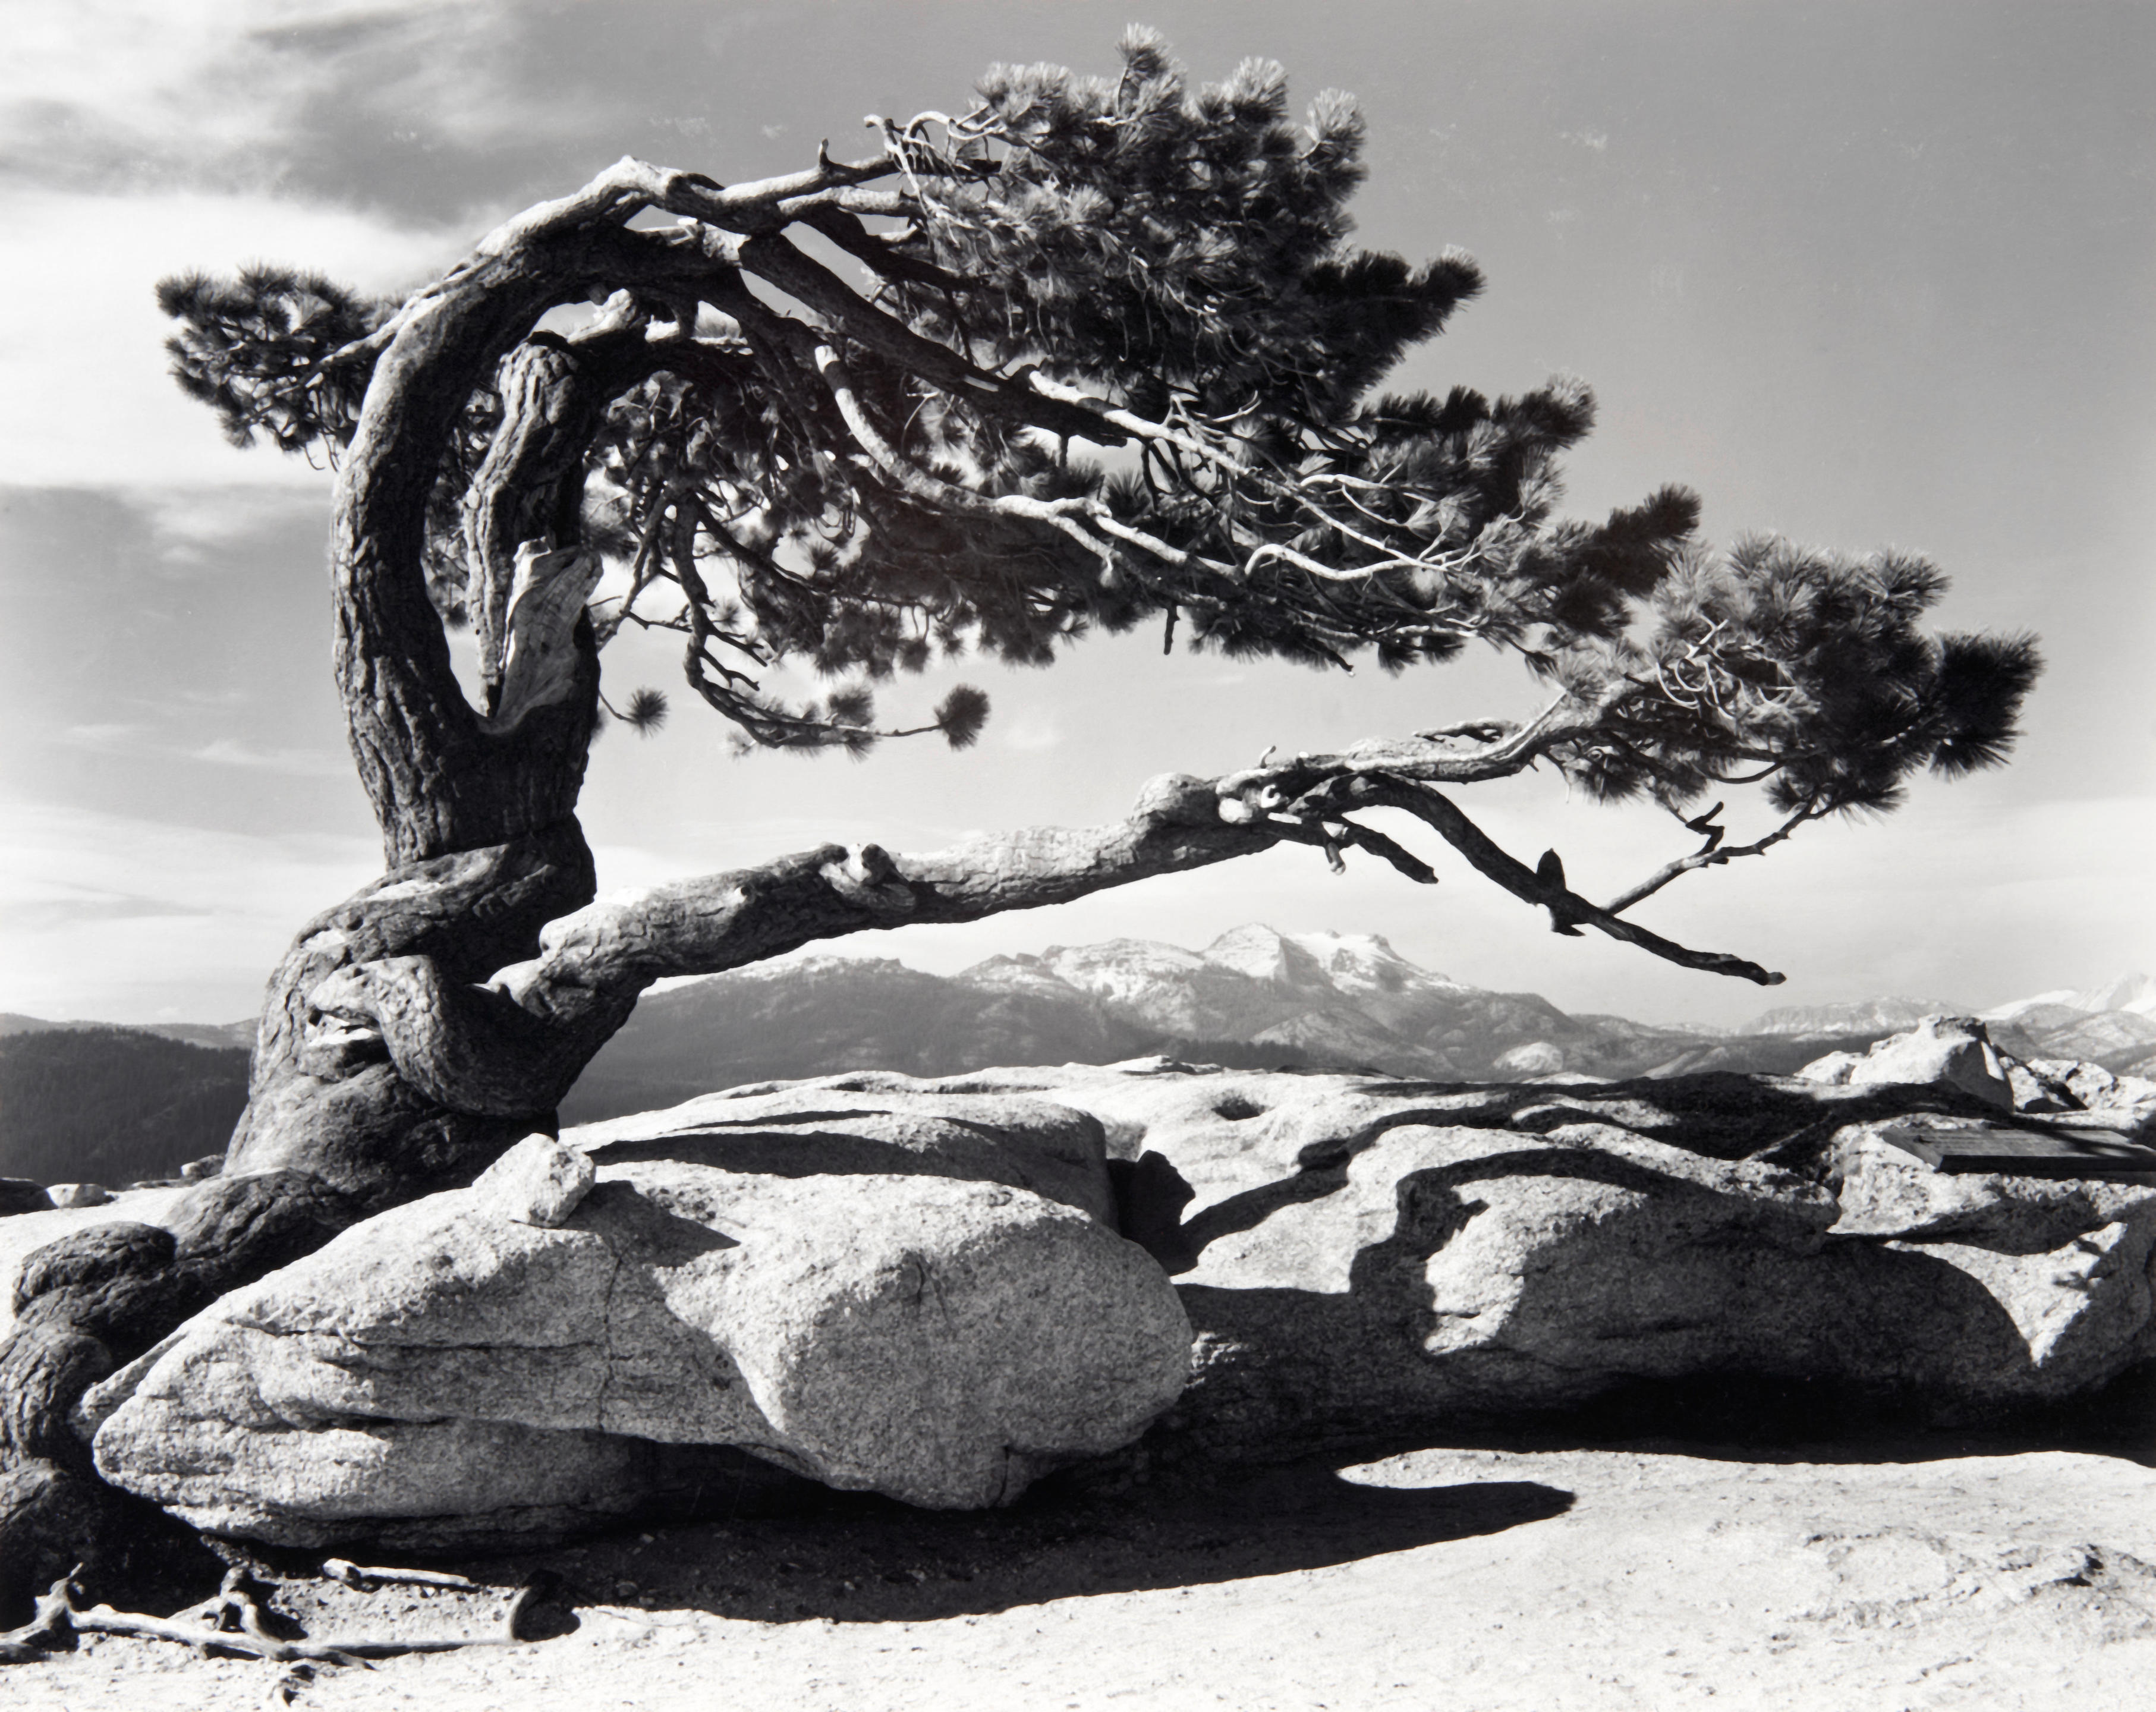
column 1353, row 1257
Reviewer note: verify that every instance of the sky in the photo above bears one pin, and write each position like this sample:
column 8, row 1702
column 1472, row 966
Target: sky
column 1863, row 273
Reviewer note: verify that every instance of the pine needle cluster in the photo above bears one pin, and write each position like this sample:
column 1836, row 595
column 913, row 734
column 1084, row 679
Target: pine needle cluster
column 259, row 350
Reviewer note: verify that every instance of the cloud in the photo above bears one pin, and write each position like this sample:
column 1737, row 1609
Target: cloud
column 35, row 914
column 1031, row 734
column 226, row 93
column 306, row 763
column 114, row 917
column 197, row 527
column 88, row 400
column 103, row 738
column 117, row 739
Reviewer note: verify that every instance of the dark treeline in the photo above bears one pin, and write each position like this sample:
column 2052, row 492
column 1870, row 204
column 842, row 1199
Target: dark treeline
column 113, row 1105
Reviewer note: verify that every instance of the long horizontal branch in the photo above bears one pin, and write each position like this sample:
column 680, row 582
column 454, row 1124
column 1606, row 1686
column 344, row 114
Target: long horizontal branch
column 726, row 921
column 707, row 926
column 515, row 1044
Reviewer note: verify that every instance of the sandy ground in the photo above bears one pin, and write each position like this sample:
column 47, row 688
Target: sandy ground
column 1648, row 1575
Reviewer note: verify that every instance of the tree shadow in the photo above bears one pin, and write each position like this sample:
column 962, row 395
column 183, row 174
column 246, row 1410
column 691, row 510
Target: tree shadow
column 861, row 1559
column 1719, row 1115
column 1747, row 1341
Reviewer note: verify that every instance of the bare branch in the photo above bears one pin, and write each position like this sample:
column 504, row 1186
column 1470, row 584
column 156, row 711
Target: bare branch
column 1710, row 855
column 1566, row 907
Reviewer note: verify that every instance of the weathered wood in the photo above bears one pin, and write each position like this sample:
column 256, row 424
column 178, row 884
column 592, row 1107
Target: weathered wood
column 2089, row 1155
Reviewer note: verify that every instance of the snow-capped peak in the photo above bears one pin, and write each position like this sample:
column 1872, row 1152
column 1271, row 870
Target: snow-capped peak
column 2136, row 992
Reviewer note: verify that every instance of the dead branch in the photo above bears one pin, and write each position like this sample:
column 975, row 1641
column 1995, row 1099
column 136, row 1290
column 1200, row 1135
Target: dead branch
column 232, row 1621
column 366, row 1579
column 1566, row 909
column 1710, row 855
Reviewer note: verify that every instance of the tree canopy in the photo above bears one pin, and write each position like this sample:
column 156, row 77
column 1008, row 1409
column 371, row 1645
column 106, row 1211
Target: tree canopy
column 1111, row 357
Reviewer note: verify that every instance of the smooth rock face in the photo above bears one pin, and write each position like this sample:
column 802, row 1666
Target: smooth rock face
column 877, row 1122
column 908, row 1330
column 75, row 1195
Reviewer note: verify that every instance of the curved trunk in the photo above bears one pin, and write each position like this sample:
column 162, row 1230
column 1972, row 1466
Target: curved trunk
column 328, row 1101
column 478, row 829
column 417, row 1029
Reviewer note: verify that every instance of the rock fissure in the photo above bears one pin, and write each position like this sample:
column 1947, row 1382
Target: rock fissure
column 606, row 1344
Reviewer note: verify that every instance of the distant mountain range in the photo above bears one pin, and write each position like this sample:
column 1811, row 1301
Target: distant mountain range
column 117, row 1104
column 1254, row 996
column 219, row 1036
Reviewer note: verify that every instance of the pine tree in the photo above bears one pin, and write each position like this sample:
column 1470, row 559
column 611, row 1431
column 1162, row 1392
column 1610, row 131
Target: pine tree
column 1111, row 360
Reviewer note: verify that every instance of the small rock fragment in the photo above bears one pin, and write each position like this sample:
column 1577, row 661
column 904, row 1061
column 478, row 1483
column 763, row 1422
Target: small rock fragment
column 539, row 1181
column 73, row 1195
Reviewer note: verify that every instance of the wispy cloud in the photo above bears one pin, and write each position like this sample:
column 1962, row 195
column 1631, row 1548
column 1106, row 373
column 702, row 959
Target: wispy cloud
column 104, row 737
column 117, row 739
column 87, row 401
column 310, row 763
column 223, row 92
column 36, row 914
column 199, row 528
column 111, row 916
column 1031, row 734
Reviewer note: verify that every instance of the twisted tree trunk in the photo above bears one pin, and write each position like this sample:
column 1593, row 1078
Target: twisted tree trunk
column 417, row 1029
column 479, row 829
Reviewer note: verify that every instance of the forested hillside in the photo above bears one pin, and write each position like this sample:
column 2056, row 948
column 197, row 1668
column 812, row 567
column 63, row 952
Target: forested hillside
column 113, row 1105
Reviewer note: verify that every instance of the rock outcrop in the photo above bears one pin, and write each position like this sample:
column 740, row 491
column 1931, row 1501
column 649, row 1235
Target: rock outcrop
column 1953, row 1051
column 914, row 1286
column 18, row 1195
column 1361, row 1255
column 916, row 1296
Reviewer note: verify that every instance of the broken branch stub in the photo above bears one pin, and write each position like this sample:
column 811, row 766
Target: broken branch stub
column 539, row 665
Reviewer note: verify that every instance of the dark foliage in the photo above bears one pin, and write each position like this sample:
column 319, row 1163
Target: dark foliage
column 257, row 350
column 1805, row 670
